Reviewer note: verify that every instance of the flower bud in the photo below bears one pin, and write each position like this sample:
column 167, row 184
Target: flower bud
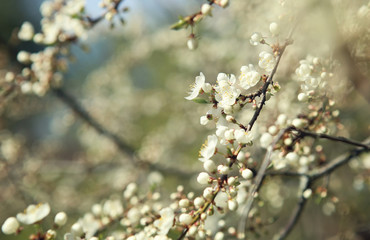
column 232, row 204
column 10, row 226
column 192, row 43
column 199, row 202
column 206, row 9
column 203, row 178
column 184, row 203
column 60, row 219
column 274, row 28
column 247, row 174
column 209, row 166
column 185, row 218
column 208, row 193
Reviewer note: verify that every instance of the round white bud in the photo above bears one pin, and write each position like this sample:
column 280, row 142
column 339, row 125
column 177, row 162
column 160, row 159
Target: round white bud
column 232, row 204
column 208, row 193
column 256, row 38
column 77, row 229
column 199, row 202
column 247, row 174
column 10, row 226
column 209, row 166
column 192, row 43
column 299, row 122
column 274, row 28
column 302, row 97
column 273, row 130
column 184, row 203
column 223, row 169
column 206, row 9
column 185, row 218
column 307, row 193
column 60, row 219
column 203, row 178
column 266, row 140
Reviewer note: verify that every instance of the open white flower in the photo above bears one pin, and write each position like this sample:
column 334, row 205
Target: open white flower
column 34, row 213
column 26, row 32
column 197, row 87
column 165, row 223
column 226, row 91
column 242, row 136
column 208, row 148
column 267, row 61
column 249, row 77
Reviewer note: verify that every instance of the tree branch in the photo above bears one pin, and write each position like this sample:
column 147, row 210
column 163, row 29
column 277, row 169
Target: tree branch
column 304, row 133
column 122, row 146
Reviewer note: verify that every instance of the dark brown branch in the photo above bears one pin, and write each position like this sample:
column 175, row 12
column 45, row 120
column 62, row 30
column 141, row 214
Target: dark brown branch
column 122, row 146
column 311, row 177
column 295, row 215
column 304, row 133
column 84, row 115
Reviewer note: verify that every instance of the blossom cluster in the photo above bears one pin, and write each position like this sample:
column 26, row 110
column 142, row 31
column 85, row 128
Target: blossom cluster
column 63, row 23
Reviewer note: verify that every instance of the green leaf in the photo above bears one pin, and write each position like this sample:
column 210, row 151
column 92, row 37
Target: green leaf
column 180, row 24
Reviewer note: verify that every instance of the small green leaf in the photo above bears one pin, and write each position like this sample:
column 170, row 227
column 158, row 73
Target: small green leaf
column 180, row 24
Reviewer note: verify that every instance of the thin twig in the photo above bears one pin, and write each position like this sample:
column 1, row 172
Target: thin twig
column 304, row 133
column 311, row 177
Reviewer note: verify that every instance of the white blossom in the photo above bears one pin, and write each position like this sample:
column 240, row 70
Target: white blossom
column 274, row 28
column 243, row 136
column 26, row 32
column 192, row 43
column 249, row 77
column 209, row 166
column 165, row 222
column 247, row 174
column 208, row 148
column 267, row 61
column 203, row 178
column 226, row 91
column 185, row 218
column 60, row 219
column 199, row 202
column 197, row 87
column 34, row 213
column 10, row 226
column 206, row 9
column 266, row 140
column 256, row 38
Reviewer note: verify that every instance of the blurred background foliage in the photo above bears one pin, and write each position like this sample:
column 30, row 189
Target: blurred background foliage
column 133, row 81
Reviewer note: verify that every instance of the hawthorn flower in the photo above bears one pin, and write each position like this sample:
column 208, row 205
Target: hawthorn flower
column 165, row 222
column 34, row 213
column 208, row 148
column 267, row 61
column 197, row 87
column 226, row 91
column 10, row 226
column 249, row 77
